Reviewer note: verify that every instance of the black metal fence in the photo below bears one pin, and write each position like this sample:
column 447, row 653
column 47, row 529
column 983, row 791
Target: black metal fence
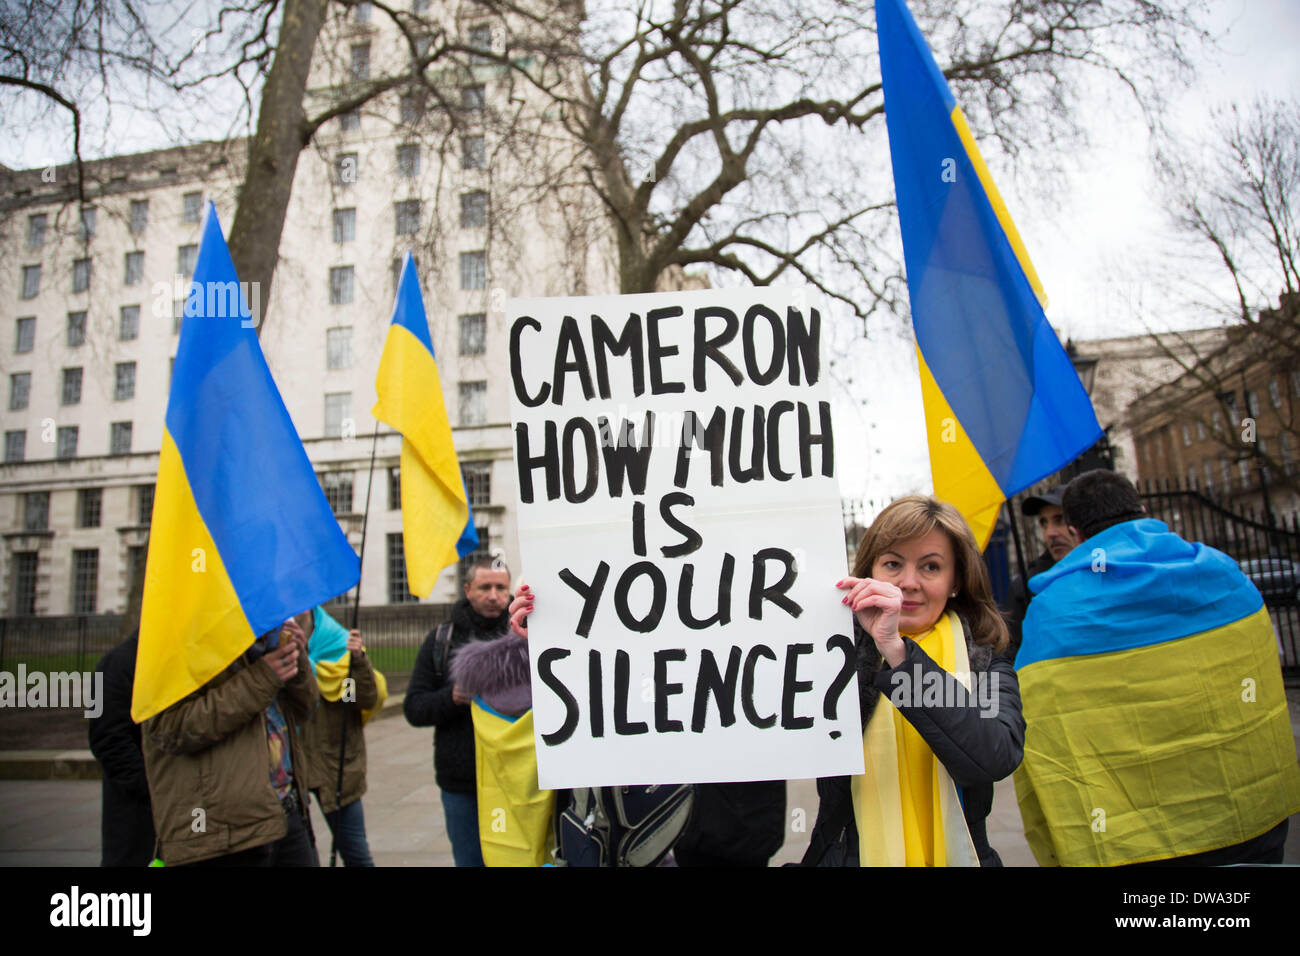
column 393, row 636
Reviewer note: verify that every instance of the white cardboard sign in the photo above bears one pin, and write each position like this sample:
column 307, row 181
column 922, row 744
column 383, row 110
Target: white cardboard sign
column 680, row 523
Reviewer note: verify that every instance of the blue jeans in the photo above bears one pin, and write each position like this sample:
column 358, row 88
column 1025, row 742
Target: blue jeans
column 461, row 813
column 349, row 828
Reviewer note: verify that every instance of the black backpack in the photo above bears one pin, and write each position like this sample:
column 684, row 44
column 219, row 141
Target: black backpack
column 620, row 826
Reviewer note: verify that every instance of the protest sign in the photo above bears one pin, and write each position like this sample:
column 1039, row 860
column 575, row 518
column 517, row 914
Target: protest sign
column 679, row 521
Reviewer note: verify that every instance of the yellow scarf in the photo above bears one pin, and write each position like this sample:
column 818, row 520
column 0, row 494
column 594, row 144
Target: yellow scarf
column 329, row 679
column 906, row 805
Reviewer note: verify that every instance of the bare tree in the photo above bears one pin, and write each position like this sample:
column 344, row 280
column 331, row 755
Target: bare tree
column 726, row 134
column 1235, row 198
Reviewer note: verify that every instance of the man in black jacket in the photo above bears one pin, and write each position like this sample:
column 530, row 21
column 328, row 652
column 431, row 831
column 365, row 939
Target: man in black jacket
column 433, row 700
column 1058, row 540
column 126, row 819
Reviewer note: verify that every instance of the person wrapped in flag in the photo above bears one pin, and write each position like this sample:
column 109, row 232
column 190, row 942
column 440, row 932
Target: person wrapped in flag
column 351, row 690
column 1158, row 729
column 939, row 700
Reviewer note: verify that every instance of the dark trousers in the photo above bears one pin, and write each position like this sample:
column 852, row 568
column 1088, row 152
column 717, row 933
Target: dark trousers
column 295, row 848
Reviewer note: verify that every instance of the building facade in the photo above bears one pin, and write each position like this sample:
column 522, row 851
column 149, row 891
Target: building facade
column 93, row 292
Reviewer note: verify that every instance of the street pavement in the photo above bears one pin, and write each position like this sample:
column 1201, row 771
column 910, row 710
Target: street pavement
column 57, row 822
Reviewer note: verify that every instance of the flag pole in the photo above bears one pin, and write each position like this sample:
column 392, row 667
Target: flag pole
column 356, row 613
column 1015, row 536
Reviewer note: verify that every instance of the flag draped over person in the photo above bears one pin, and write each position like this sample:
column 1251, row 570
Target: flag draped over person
column 242, row 536
column 1157, row 719
column 328, row 652
column 1004, row 407
column 437, row 525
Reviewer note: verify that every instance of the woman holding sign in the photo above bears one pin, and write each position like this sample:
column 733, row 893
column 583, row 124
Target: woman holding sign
column 940, row 705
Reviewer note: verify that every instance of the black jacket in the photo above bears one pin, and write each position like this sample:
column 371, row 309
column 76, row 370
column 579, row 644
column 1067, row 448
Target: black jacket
column 126, row 820
column 977, row 751
column 733, row 824
column 428, row 700
column 1018, row 598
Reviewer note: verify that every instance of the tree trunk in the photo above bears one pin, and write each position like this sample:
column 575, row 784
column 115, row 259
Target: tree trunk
column 273, row 155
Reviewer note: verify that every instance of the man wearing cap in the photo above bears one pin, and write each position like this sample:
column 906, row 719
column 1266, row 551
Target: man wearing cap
column 1059, row 540
column 1157, row 728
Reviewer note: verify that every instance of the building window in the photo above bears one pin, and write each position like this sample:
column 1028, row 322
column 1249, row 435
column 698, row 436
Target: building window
column 25, row 334
column 1225, row 472
column 36, row 511
column 76, row 329
column 1200, row 430
column 15, row 446
column 31, row 282
column 66, row 439
column 473, row 210
column 1208, row 470
column 186, row 257
column 143, row 504
column 394, row 489
column 124, row 381
column 480, row 38
column 337, row 486
column 338, row 347
column 80, row 275
column 36, row 231
column 345, row 225
column 139, row 215
column 89, row 505
column 1243, row 472
column 473, row 152
column 338, row 410
column 20, row 388
column 178, row 315
column 120, row 439
column 1288, row 454
column 24, row 583
column 473, row 98
column 423, row 43
column 89, row 216
column 128, row 326
column 419, row 6
column 85, row 580
column 407, row 215
column 408, row 160
column 398, row 262
column 1252, row 404
column 340, row 285
column 1216, row 422
column 398, row 593
column 71, row 386
column 473, row 403
column 137, row 556
column 1275, row 393
column 1187, row 435
column 346, row 169
column 361, row 61
column 473, row 334
column 191, row 207
column 361, row 13
column 410, row 107
column 473, row 270
column 478, row 482
column 134, row 268
column 350, row 121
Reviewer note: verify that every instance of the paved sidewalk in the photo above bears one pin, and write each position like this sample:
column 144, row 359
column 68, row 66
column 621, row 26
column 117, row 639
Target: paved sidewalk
column 56, row 822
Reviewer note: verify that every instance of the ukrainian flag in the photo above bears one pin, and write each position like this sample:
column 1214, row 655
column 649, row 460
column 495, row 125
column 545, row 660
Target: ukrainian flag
column 1157, row 725
column 437, row 524
column 242, row 536
column 514, row 814
column 1003, row 405
column 328, row 651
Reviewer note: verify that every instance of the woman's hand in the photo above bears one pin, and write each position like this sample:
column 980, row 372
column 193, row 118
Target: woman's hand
column 519, row 610
column 877, row 605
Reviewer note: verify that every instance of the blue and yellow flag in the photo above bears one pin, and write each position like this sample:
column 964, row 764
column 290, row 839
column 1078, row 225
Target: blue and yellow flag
column 437, row 525
column 328, row 651
column 242, row 536
column 1004, row 407
column 514, row 814
column 1156, row 721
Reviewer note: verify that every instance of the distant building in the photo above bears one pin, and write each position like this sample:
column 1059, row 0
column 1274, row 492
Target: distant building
column 1229, row 425
column 91, row 299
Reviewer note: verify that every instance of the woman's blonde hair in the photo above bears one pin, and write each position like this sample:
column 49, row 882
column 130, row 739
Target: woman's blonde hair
column 915, row 516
